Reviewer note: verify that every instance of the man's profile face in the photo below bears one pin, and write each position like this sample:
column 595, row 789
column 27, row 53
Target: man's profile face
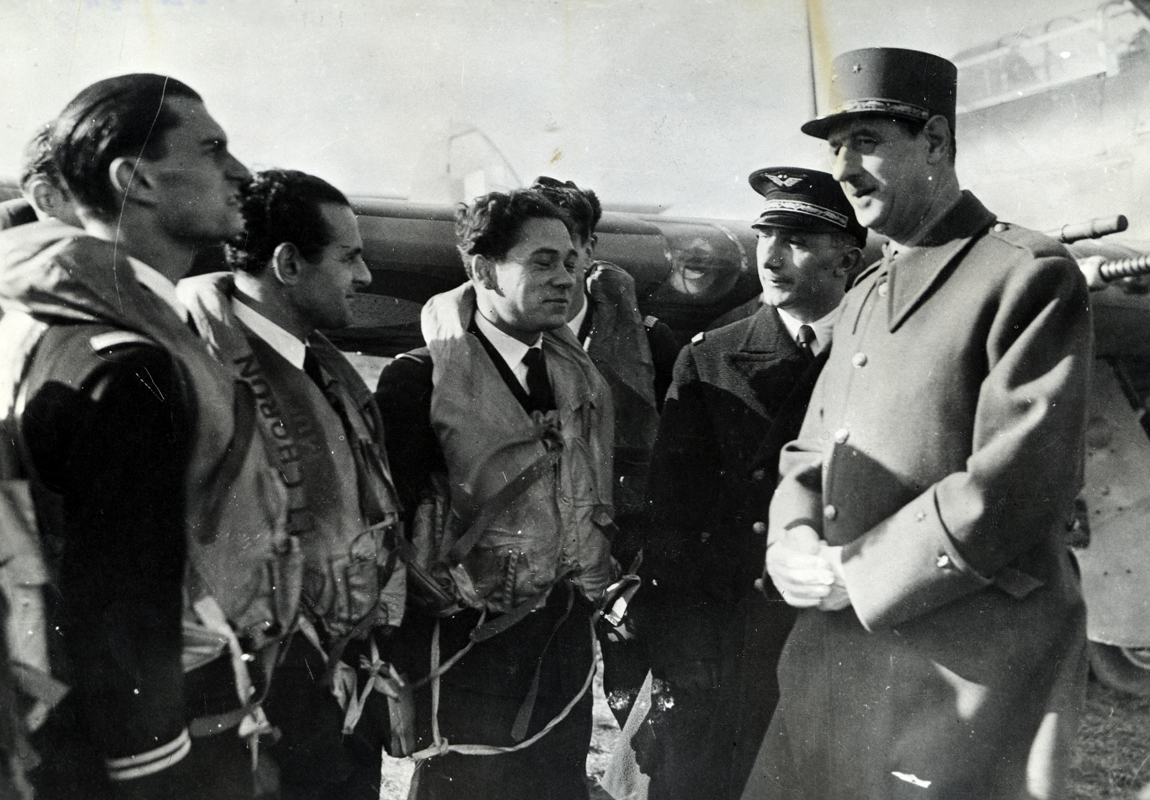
column 884, row 173
column 802, row 272
column 534, row 281
column 196, row 180
column 327, row 282
column 585, row 257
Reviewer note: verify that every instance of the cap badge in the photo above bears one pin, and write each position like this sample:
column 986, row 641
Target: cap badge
column 856, row 68
column 783, row 181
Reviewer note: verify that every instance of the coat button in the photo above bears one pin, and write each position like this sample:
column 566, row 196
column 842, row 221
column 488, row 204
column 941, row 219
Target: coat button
column 759, row 474
column 705, row 536
column 943, row 561
column 883, row 289
column 859, row 359
column 830, row 512
column 841, row 435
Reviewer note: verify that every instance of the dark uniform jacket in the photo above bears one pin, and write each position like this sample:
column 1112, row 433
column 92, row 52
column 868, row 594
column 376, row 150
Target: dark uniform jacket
column 115, row 417
column 943, row 449
column 738, row 395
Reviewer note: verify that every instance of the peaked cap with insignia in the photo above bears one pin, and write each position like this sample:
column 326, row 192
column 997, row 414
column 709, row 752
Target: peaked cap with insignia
column 804, row 199
column 888, row 81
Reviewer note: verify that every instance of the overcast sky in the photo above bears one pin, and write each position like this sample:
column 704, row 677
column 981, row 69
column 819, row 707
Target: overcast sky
column 669, row 102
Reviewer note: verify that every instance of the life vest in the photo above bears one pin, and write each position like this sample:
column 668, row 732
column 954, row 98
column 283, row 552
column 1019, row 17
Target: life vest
column 618, row 346
column 343, row 510
column 555, row 528
column 239, row 551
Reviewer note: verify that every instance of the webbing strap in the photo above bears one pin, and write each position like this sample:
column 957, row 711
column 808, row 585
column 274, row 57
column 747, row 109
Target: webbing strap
column 441, row 746
column 249, row 717
column 485, row 630
column 500, row 502
column 523, row 718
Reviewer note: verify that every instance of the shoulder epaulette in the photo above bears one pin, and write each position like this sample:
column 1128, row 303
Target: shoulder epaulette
column 650, row 322
column 699, row 337
column 110, row 340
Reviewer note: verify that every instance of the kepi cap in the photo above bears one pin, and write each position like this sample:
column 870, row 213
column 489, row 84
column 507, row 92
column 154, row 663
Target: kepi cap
column 804, row 199
column 907, row 84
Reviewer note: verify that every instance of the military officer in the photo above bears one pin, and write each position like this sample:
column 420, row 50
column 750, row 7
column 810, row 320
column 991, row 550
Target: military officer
column 939, row 645
column 738, row 394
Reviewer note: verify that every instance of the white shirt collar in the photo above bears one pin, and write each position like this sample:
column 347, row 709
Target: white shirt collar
column 822, row 327
column 158, row 285
column 576, row 324
column 507, row 346
column 279, row 339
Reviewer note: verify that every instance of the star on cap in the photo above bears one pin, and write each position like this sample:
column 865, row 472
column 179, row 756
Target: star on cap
column 856, row 68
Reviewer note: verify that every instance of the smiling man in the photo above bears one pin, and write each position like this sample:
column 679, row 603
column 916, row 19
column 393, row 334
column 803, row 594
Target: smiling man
column 126, row 431
column 295, row 268
column 521, row 423
column 738, row 394
column 939, row 645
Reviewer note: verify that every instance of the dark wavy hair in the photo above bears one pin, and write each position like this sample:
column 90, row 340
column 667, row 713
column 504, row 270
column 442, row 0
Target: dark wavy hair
column 581, row 204
column 282, row 205
column 38, row 161
column 121, row 116
column 489, row 226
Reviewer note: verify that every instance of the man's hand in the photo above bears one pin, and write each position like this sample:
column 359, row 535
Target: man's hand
column 838, row 598
column 798, row 566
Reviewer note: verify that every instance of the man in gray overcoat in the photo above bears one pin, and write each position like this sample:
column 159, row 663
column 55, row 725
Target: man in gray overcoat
column 939, row 649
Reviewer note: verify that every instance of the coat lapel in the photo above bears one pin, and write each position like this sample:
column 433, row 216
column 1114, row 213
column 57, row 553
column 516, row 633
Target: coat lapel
column 916, row 271
column 766, row 344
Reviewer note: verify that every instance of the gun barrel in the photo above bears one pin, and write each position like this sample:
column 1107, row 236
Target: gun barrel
column 1092, row 229
column 1125, row 268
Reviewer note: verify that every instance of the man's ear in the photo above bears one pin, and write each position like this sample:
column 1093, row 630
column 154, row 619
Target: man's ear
column 129, row 176
column 483, row 269
column 591, row 242
column 938, row 138
column 848, row 261
column 44, row 197
column 286, row 263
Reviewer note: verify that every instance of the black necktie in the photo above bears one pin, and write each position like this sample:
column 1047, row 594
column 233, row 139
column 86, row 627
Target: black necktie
column 806, row 340
column 538, row 387
column 311, row 367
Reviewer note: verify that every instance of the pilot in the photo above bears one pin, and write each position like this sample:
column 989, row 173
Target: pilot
column 939, row 649
column 739, row 394
column 636, row 355
column 522, row 420
column 126, row 426
column 45, row 195
column 295, row 267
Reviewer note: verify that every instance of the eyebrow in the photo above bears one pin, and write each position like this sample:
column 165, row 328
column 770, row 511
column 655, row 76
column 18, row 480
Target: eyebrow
column 865, row 130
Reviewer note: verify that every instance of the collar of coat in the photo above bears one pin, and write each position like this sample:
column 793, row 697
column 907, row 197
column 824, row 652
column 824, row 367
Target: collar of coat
column 916, row 271
column 767, row 340
column 447, row 316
